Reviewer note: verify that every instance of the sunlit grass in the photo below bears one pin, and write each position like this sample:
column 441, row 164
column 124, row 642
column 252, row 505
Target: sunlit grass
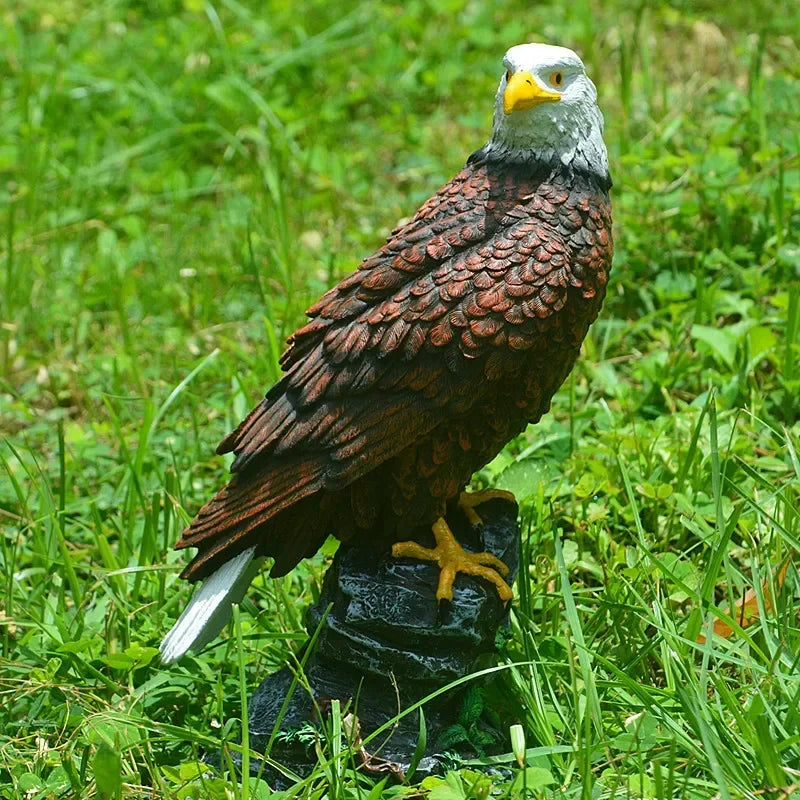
column 180, row 180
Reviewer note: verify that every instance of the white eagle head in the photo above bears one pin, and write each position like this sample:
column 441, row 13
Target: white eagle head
column 546, row 108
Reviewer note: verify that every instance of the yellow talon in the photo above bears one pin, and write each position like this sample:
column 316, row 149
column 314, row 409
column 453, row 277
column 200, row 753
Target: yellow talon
column 452, row 559
column 468, row 500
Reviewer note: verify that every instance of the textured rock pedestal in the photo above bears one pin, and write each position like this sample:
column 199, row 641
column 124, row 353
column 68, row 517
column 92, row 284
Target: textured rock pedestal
column 385, row 623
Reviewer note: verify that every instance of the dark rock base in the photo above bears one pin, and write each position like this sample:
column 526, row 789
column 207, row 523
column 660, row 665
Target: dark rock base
column 383, row 643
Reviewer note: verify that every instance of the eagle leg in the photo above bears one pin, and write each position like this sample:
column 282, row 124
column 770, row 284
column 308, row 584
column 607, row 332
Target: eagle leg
column 467, row 502
column 452, row 559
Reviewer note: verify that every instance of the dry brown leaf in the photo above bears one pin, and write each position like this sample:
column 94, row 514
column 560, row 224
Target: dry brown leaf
column 745, row 610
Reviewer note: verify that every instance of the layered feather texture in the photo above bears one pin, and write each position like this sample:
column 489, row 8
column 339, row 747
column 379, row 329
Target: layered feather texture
column 476, row 308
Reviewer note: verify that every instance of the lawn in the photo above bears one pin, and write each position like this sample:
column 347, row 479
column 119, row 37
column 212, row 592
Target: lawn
column 180, row 180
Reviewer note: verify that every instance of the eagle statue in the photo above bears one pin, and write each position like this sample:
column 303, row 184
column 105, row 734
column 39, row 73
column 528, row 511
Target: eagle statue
column 415, row 370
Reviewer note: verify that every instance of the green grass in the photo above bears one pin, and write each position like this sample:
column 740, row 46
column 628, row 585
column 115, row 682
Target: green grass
column 180, row 180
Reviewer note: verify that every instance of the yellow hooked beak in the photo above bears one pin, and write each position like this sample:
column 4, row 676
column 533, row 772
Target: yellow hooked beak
column 523, row 92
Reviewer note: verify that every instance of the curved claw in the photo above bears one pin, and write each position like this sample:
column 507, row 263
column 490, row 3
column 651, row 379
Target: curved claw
column 468, row 501
column 452, row 559
column 488, row 574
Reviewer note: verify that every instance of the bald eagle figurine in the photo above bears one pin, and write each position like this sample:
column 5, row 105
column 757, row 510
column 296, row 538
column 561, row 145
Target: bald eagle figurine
column 415, row 370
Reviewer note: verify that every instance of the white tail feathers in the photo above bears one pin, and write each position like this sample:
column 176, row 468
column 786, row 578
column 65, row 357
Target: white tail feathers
column 209, row 609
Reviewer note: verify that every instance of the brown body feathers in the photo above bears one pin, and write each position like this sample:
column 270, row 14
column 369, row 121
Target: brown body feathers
column 416, row 369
